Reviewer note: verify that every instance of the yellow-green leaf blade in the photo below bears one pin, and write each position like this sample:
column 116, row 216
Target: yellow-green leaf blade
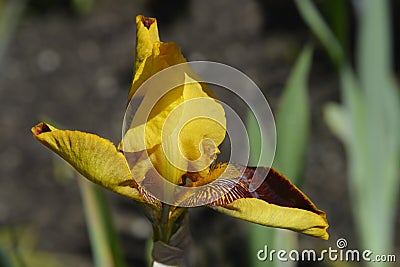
column 293, row 120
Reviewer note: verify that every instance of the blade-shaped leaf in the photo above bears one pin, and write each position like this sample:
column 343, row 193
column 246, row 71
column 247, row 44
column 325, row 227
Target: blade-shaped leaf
column 319, row 27
column 381, row 129
column 103, row 237
column 293, row 120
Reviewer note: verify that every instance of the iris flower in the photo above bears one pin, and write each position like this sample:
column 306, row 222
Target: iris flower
column 128, row 168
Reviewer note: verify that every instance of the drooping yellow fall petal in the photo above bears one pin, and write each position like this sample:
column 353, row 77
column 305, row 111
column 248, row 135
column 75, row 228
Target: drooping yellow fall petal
column 261, row 212
column 94, row 157
column 275, row 203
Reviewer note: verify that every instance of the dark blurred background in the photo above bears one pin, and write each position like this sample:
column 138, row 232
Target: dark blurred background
column 71, row 62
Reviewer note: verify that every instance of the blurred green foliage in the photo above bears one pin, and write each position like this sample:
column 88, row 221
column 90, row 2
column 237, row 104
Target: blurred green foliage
column 10, row 13
column 102, row 233
column 103, row 237
column 18, row 249
column 368, row 120
column 293, row 127
column 337, row 13
column 293, row 121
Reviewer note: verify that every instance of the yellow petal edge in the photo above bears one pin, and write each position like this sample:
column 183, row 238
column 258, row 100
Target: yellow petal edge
column 153, row 56
column 261, row 212
column 146, row 36
column 94, row 157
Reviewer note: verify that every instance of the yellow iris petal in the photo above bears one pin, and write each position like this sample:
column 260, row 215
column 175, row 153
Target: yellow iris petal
column 153, row 56
column 275, row 203
column 162, row 56
column 178, row 133
column 188, row 128
column 260, row 212
column 146, row 36
column 94, row 157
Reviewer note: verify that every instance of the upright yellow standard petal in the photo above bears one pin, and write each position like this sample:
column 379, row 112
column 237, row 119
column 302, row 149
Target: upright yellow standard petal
column 162, row 56
column 183, row 134
column 146, row 36
column 152, row 55
column 94, row 157
column 184, row 128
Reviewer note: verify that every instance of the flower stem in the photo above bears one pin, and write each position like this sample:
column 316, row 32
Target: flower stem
column 165, row 225
column 171, row 236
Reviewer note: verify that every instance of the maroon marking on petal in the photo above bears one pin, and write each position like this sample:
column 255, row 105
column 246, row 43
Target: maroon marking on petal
column 41, row 128
column 225, row 191
column 147, row 196
column 148, row 21
column 131, row 183
column 275, row 189
column 133, row 158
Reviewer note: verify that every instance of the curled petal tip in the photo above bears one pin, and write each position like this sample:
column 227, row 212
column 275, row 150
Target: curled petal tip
column 147, row 21
column 40, row 128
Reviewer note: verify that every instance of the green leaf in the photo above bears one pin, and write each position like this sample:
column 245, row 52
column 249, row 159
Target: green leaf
column 335, row 118
column 377, row 176
column 103, row 237
column 293, row 120
column 369, row 117
column 259, row 235
column 5, row 259
column 19, row 248
column 319, row 27
column 293, row 126
column 337, row 12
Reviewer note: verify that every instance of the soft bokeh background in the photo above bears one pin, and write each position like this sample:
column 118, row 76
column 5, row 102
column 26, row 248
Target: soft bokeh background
column 70, row 62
